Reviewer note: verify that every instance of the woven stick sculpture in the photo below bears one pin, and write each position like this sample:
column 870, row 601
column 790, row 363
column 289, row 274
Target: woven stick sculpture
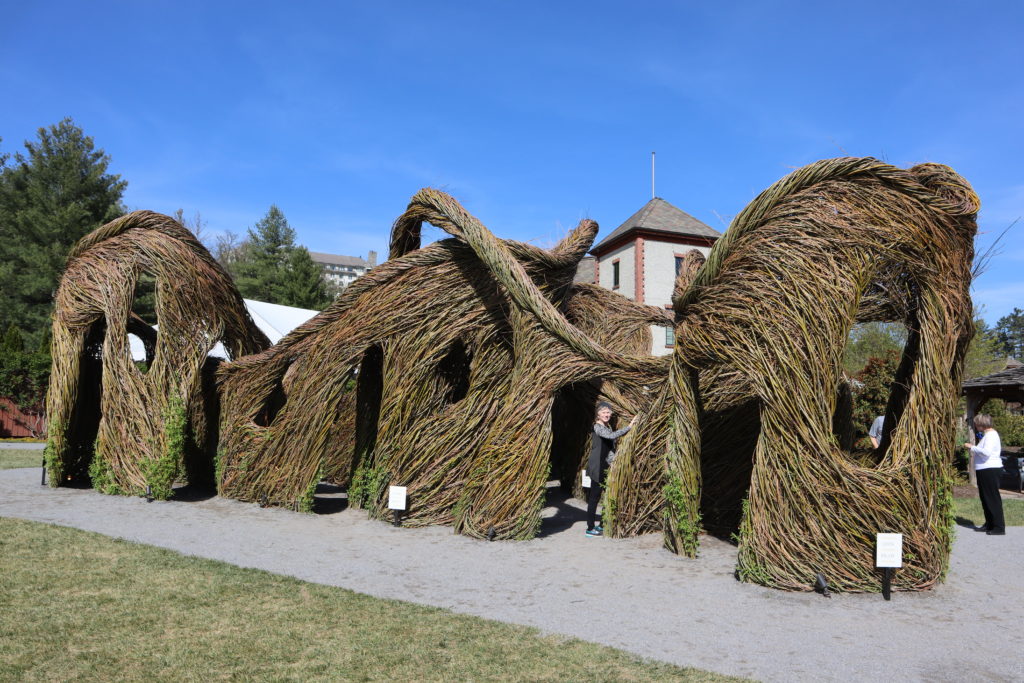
column 455, row 380
column 757, row 384
column 130, row 429
column 467, row 371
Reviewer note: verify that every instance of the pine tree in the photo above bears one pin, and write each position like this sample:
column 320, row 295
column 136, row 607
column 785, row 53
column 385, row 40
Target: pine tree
column 50, row 198
column 305, row 286
column 269, row 266
column 984, row 354
column 1010, row 333
column 12, row 341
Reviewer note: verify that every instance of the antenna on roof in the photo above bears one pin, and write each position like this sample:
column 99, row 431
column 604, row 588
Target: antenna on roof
column 652, row 176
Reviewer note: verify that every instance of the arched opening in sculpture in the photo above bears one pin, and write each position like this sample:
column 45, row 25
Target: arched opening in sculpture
column 143, row 321
column 453, row 372
column 729, row 436
column 272, row 404
column 84, row 420
column 572, row 417
column 369, row 391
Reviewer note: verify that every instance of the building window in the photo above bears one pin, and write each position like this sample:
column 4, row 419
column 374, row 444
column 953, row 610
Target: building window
column 670, row 336
column 615, row 274
column 682, row 257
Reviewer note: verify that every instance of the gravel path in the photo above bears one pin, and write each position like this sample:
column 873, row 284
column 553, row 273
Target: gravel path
column 22, row 446
column 626, row 593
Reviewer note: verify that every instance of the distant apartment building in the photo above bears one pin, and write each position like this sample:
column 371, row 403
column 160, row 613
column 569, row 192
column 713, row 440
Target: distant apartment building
column 343, row 270
column 641, row 257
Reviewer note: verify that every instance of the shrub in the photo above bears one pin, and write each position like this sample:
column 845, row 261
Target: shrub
column 871, row 396
column 1010, row 428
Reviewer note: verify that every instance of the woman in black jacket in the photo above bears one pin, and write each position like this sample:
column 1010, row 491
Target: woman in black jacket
column 602, row 453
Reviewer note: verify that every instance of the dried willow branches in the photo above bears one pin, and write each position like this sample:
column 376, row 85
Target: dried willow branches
column 467, row 371
column 449, row 374
column 127, row 428
column 757, row 384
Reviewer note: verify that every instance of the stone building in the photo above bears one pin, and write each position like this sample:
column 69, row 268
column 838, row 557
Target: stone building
column 641, row 257
column 343, row 270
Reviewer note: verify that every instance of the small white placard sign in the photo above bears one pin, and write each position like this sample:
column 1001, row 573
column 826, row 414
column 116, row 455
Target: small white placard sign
column 396, row 498
column 889, row 550
column 585, row 479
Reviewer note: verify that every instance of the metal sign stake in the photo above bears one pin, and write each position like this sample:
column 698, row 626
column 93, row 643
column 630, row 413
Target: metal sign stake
column 396, row 501
column 888, row 556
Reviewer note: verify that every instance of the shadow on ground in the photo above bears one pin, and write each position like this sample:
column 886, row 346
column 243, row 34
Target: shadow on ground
column 964, row 522
column 191, row 493
column 567, row 512
column 329, row 499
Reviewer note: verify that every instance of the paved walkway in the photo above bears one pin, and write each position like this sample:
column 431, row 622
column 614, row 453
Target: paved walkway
column 21, row 446
column 627, row 593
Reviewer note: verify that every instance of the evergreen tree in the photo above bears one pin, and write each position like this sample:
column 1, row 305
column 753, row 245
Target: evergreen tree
column 50, row 198
column 305, row 287
column 1010, row 333
column 269, row 266
column 259, row 271
column 984, row 354
column 12, row 341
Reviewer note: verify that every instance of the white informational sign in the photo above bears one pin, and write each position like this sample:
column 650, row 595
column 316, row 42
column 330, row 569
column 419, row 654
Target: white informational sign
column 396, row 498
column 585, row 478
column 889, row 550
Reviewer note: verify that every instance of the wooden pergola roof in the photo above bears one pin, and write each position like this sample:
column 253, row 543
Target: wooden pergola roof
column 1007, row 385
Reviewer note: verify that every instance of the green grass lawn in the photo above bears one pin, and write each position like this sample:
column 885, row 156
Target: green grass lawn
column 17, row 457
column 970, row 509
column 76, row 605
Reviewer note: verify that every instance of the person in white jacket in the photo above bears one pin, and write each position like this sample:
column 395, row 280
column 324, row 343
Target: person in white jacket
column 988, row 467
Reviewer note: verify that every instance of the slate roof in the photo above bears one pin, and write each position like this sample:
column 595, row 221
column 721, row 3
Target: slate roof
column 660, row 216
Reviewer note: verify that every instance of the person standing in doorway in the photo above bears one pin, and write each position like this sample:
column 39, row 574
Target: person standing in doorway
column 602, row 453
column 988, row 466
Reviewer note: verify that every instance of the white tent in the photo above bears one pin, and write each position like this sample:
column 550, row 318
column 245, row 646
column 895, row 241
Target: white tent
column 273, row 319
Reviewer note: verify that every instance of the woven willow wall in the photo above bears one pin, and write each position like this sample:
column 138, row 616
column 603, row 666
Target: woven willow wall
column 759, row 409
column 444, row 376
column 125, row 427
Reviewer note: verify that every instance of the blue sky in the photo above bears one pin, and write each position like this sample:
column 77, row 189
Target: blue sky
column 534, row 115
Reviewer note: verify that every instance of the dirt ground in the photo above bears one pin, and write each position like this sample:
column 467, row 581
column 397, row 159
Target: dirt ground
column 627, row 593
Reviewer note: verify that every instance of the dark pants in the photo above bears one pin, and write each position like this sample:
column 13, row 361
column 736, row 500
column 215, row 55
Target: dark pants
column 991, row 503
column 593, row 498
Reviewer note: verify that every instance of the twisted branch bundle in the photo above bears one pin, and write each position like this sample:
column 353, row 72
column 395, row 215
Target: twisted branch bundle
column 761, row 334
column 468, row 370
